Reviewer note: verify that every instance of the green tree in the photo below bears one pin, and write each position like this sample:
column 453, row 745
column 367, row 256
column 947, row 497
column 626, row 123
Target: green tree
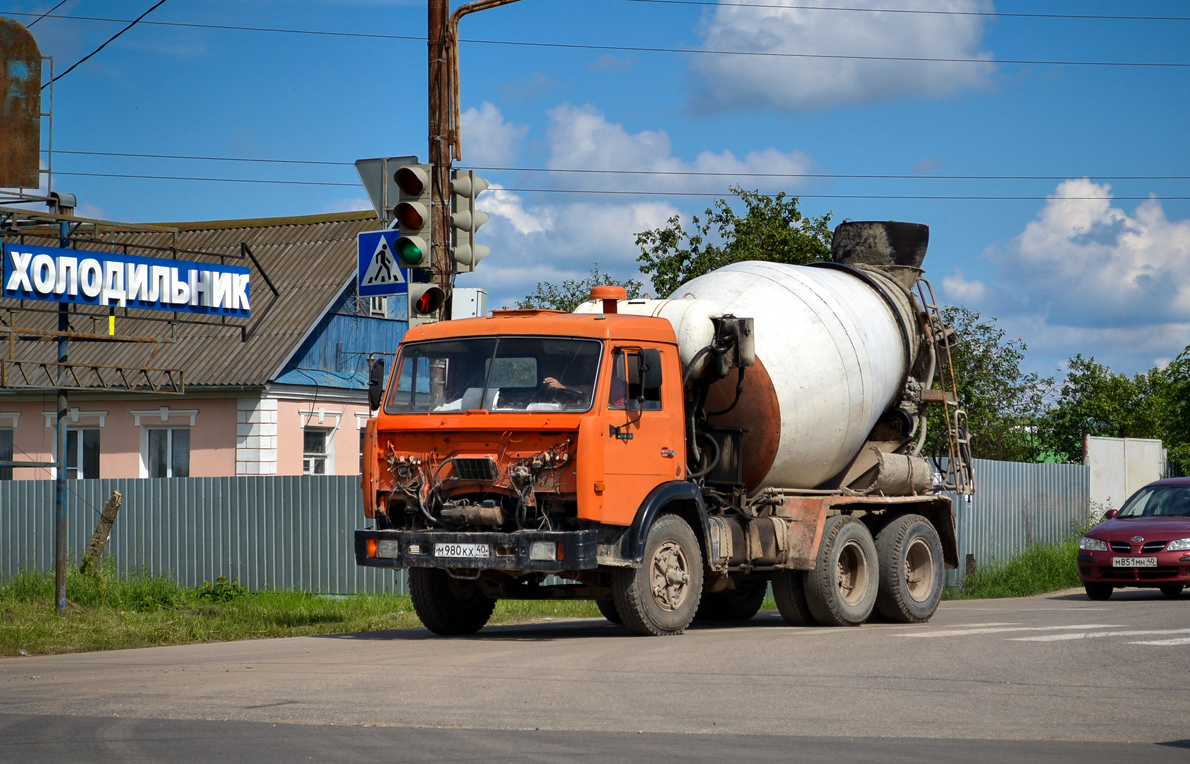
column 573, row 292
column 1173, row 411
column 1002, row 402
column 1094, row 400
column 772, row 229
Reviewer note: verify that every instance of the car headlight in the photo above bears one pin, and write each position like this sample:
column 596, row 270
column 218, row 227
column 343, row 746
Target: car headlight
column 1178, row 545
column 1094, row 545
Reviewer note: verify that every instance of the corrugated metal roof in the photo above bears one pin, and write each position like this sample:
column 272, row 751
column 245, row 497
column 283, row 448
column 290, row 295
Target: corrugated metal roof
column 309, row 260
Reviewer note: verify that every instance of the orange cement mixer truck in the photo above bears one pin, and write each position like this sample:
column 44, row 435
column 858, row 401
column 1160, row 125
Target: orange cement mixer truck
column 669, row 459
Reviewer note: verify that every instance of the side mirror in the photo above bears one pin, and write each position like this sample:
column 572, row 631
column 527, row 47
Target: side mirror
column 1111, row 513
column 376, row 384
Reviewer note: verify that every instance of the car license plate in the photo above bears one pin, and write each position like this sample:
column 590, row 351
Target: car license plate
column 1134, row 562
column 468, row 551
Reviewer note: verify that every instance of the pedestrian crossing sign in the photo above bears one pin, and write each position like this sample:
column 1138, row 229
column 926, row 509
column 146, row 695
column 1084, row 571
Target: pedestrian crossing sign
column 379, row 273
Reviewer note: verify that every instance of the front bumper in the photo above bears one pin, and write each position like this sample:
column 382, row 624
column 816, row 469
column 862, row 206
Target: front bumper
column 573, row 550
column 1098, row 568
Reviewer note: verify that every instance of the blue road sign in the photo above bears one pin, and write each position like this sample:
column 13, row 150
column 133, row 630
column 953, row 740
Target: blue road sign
column 378, row 271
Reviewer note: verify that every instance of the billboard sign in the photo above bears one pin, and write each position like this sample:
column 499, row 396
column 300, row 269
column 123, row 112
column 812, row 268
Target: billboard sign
column 107, row 279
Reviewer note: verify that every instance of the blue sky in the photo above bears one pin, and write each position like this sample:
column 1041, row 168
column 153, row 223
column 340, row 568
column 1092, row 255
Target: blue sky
column 1080, row 259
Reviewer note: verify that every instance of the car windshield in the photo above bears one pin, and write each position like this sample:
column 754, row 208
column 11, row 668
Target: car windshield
column 1158, row 501
column 495, row 374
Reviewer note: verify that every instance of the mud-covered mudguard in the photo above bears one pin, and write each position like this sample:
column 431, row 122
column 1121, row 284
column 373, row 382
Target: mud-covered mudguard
column 678, row 497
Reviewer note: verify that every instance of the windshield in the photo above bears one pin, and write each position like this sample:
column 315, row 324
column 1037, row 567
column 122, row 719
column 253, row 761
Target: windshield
column 495, row 374
column 1159, row 501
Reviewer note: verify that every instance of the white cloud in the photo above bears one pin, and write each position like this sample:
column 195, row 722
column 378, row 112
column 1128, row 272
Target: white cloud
column 535, row 242
column 551, row 243
column 582, row 138
column 1086, row 276
column 487, row 139
column 727, row 82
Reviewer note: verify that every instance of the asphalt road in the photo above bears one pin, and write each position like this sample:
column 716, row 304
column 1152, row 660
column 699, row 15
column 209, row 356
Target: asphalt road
column 1055, row 678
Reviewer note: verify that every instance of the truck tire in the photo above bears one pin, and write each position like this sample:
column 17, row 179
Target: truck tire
column 660, row 597
column 739, row 604
column 448, row 606
column 841, row 590
column 911, row 570
column 608, row 608
column 789, row 591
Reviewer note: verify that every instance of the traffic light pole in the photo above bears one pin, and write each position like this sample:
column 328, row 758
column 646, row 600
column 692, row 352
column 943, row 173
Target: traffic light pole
column 444, row 129
column 440, row 158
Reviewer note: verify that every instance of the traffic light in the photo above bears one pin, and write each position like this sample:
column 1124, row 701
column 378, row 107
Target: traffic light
column 465, row 185
column 424, row 302
column 412, row 215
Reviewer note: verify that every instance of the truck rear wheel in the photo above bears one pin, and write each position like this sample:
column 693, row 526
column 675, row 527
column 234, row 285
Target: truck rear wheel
column 789, row 591
column 660, row 597
column 608, row 608
column 911, row 570
column 841, row 590
column 448, row 606
column 739, row 604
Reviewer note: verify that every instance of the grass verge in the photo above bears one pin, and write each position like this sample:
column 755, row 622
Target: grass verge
column 1039, row 569
column 112, row 612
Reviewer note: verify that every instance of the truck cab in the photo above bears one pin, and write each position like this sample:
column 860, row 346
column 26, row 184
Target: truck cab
column 522, row 444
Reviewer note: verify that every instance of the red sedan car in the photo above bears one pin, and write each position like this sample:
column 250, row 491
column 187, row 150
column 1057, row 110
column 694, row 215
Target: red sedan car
column 1145, row 544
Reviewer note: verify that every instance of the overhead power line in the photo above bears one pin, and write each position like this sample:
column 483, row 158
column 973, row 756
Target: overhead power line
column 76, row 64
column 680, row 173
column 47, row 13
column 647, row 49
column 625, row 192
column 916, row 11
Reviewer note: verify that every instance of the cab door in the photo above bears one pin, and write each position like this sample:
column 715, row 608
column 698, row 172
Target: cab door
column 643, row 441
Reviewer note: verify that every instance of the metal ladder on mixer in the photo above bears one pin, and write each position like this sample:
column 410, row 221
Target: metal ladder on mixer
column 959, row 475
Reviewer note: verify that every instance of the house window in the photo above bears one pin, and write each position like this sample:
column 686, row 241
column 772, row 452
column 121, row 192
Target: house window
column 169, row 452
column 82, row 454
column 316, row 451
column 5, row 454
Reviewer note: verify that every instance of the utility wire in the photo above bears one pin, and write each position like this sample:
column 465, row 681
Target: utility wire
column 75, row 65
column 47, row 13
column 994, row 14
column 619, row 192
column 646, row 49
column 678, row 173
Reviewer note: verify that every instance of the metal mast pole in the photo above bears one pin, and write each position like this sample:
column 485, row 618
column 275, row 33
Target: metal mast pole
column 440, row 159
column 63, row 408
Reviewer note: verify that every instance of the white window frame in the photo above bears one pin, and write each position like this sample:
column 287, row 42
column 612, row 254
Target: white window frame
column 321, row 419
column 15, row 417
column 163, row 418
column 328, row 454
column 78, row 420
column 169, row 455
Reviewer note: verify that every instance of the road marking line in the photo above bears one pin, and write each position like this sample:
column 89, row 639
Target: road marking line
column 1093, row 635
column 965, row 632
column 1182, row 641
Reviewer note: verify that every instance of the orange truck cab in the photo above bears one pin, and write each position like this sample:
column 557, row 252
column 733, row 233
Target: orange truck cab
column 526, row 443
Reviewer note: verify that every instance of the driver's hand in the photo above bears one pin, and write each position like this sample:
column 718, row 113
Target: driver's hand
column 553, row 384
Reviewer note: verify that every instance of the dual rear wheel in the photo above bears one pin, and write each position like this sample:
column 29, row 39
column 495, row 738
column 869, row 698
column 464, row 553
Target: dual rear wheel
column 898, row 574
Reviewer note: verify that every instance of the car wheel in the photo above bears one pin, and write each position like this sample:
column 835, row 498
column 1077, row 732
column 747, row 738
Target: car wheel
column 739, row 604
column 841, row 589
column 910, row 561
column 660, row 597
column 1098, row 591
column 1172, row 590
column 446, row 605
column 608, row 609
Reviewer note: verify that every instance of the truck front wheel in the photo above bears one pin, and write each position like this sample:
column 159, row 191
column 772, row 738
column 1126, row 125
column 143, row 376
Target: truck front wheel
column 910, row 570
column 841, row 589
column 660, row 597
column 448, row 606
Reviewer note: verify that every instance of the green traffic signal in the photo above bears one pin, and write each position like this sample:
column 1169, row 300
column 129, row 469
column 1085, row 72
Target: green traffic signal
column 409, row 251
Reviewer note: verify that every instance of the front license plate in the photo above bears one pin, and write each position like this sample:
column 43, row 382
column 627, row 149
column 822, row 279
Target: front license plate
column 1134, row 562
column 468, row 551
